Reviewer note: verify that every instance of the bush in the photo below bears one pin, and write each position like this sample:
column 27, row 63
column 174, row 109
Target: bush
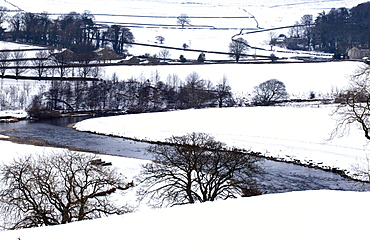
column 182, row 59
column 37, row 110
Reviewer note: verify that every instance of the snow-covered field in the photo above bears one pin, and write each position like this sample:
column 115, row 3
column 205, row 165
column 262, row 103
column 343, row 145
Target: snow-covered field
column 267, row 14
column 287, row 133
column 300, row 79
column 311, row 218
column 305, row 219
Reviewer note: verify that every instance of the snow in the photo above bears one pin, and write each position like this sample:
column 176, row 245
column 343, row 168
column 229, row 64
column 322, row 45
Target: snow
column 311, row 218
column 268, row 14
column 287, row 133
column 14, row 113
column 300, row 79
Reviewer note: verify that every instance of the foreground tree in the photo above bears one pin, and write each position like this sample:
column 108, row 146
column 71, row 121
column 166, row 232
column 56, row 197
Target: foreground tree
column 238, row 48
column 355, row 103
column 269, row 92
column 196, row 168
column 58, row 188
column 354, row 111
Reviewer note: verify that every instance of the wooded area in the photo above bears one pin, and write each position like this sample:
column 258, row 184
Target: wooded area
column 132, row 96
column 336, row 31
column 74, row 31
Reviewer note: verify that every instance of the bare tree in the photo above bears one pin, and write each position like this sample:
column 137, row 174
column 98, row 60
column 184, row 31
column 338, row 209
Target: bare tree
column 355, row 103
column 272, row 39
column 4, row 62
column 164, row 53
column 307, row 29
column 62, row 62
column 20, row 62
column 196, row 168
column 40, row 63
column 58, row 188
column 224, row 94
column 238, row 48
column 295, row 31
column 3, row 17
column 3, row 14
column 183, row 19
column 269, row 92
column 194, row 89
column 85, row 68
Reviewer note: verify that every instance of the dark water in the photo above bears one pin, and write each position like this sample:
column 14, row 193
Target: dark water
column 279, row 176
column 56, row 133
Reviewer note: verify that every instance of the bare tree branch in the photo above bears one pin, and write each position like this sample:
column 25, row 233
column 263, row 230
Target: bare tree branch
column 196, row 168
column 57, row 189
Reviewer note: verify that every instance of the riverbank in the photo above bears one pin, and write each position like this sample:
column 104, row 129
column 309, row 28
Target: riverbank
column 301, row 135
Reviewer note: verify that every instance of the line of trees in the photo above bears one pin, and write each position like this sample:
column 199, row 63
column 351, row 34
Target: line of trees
column 133, row 95
column 15, row 97
column 335, row 32
column 45, row 63
column 75, row 31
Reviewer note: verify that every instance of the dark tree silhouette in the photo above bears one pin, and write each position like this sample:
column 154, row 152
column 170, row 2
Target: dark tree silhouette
column 269, row 92
column 238, row 48
column 196, row 168
column 58, row 188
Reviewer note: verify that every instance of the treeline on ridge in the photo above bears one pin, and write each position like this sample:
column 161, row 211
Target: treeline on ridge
column 74, row 31
column 336, row 31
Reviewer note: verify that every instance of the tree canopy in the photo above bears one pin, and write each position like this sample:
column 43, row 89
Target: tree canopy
column 58, row 188
column 71, row 31
column 238, row 48
column 196, row 168
column 269, row 92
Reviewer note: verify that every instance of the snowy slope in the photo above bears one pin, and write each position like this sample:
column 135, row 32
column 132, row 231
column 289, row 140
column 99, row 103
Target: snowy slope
column 305, row 219
column 258, row 14
column 312, row 218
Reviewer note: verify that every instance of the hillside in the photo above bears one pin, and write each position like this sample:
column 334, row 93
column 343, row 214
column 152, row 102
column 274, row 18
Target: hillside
column 281, row 220
column 203, row 33
column 310, row 218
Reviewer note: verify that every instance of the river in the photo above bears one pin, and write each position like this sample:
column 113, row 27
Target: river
column 278, row 177
column 56, row 133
